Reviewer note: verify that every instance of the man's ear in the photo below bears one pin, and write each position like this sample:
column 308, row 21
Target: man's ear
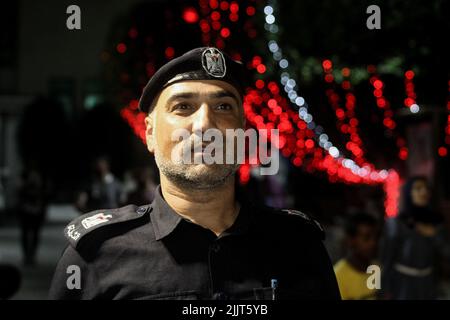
column 149, row 137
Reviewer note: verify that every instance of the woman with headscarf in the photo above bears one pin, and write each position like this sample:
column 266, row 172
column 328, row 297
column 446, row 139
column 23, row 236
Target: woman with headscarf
column 409, row 250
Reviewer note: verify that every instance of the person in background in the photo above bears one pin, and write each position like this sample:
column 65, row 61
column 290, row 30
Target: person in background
column 362, row 234
column 144, row 192
column 410, row 250
column 105, row 190
column 31, row 210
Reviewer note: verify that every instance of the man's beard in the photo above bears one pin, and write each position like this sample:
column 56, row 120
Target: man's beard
column 194, row 176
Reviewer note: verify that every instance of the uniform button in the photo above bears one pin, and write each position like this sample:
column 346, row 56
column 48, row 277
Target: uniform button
column 141, row 210
column 220, row 296
column 215, row 247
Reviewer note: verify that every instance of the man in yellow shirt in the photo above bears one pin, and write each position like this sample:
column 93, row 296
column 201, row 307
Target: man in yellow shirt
column 362, row 240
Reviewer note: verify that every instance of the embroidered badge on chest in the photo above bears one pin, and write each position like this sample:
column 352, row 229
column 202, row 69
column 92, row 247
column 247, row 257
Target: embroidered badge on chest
column 96, row 219
column 214, row 63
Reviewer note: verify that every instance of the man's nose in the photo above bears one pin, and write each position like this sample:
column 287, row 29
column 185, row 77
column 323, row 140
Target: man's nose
column 203, row 119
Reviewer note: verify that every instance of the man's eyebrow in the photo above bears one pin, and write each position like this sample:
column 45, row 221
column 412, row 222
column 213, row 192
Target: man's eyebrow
column 181, row 96
column 224, row 94
column 191, row 95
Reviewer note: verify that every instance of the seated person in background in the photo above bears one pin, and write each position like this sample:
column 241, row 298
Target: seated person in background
column 362, row 236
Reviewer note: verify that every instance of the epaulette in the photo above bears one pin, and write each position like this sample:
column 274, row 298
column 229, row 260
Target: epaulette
column 102, row 223
column 308, row 220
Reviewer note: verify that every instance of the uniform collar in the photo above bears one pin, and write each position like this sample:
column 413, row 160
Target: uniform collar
column 165, row 219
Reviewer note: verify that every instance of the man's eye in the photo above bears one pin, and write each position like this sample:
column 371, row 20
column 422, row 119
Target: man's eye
column 182, row 106
column 224, row 106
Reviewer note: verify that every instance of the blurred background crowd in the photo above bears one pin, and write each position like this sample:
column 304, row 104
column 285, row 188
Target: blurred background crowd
column 363, row 116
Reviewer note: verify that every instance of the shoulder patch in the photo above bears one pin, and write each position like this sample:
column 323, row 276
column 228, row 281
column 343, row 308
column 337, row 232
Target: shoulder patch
column 307, row 219
column 297, row 213
column 91, row 222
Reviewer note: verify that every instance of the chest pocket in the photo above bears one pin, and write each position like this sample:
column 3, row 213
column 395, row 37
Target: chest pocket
column 177, row 295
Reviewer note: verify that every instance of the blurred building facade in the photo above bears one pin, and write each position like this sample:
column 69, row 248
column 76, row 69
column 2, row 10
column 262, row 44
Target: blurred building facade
column 41, row 57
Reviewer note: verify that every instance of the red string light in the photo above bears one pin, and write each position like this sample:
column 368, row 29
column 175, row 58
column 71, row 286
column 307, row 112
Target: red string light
column 169, row 53
column 347, row 122
column 383, row 103
column 409, row 89
column 190, row 15
column 444, row 152
column 121, row 48
column 391, row 188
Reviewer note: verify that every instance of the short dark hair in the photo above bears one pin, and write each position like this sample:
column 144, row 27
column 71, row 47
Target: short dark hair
column 353, row 221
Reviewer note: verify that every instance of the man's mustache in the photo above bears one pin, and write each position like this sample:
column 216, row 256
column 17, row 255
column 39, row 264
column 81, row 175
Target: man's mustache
column 195, row 142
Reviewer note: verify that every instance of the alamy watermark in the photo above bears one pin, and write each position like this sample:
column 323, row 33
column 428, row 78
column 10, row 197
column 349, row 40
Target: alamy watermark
column 214, row 147
column 374, row 20
column 74, row 279
column 73, row 21
column 374, row 280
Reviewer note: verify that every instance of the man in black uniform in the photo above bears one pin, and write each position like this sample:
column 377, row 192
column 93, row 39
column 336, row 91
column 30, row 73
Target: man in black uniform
column 197, row 240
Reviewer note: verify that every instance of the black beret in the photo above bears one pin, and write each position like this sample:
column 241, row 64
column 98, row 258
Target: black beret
column 206, row 63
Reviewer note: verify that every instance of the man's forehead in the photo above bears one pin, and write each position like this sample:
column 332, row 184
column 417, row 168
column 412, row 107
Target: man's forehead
column 199, row 87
